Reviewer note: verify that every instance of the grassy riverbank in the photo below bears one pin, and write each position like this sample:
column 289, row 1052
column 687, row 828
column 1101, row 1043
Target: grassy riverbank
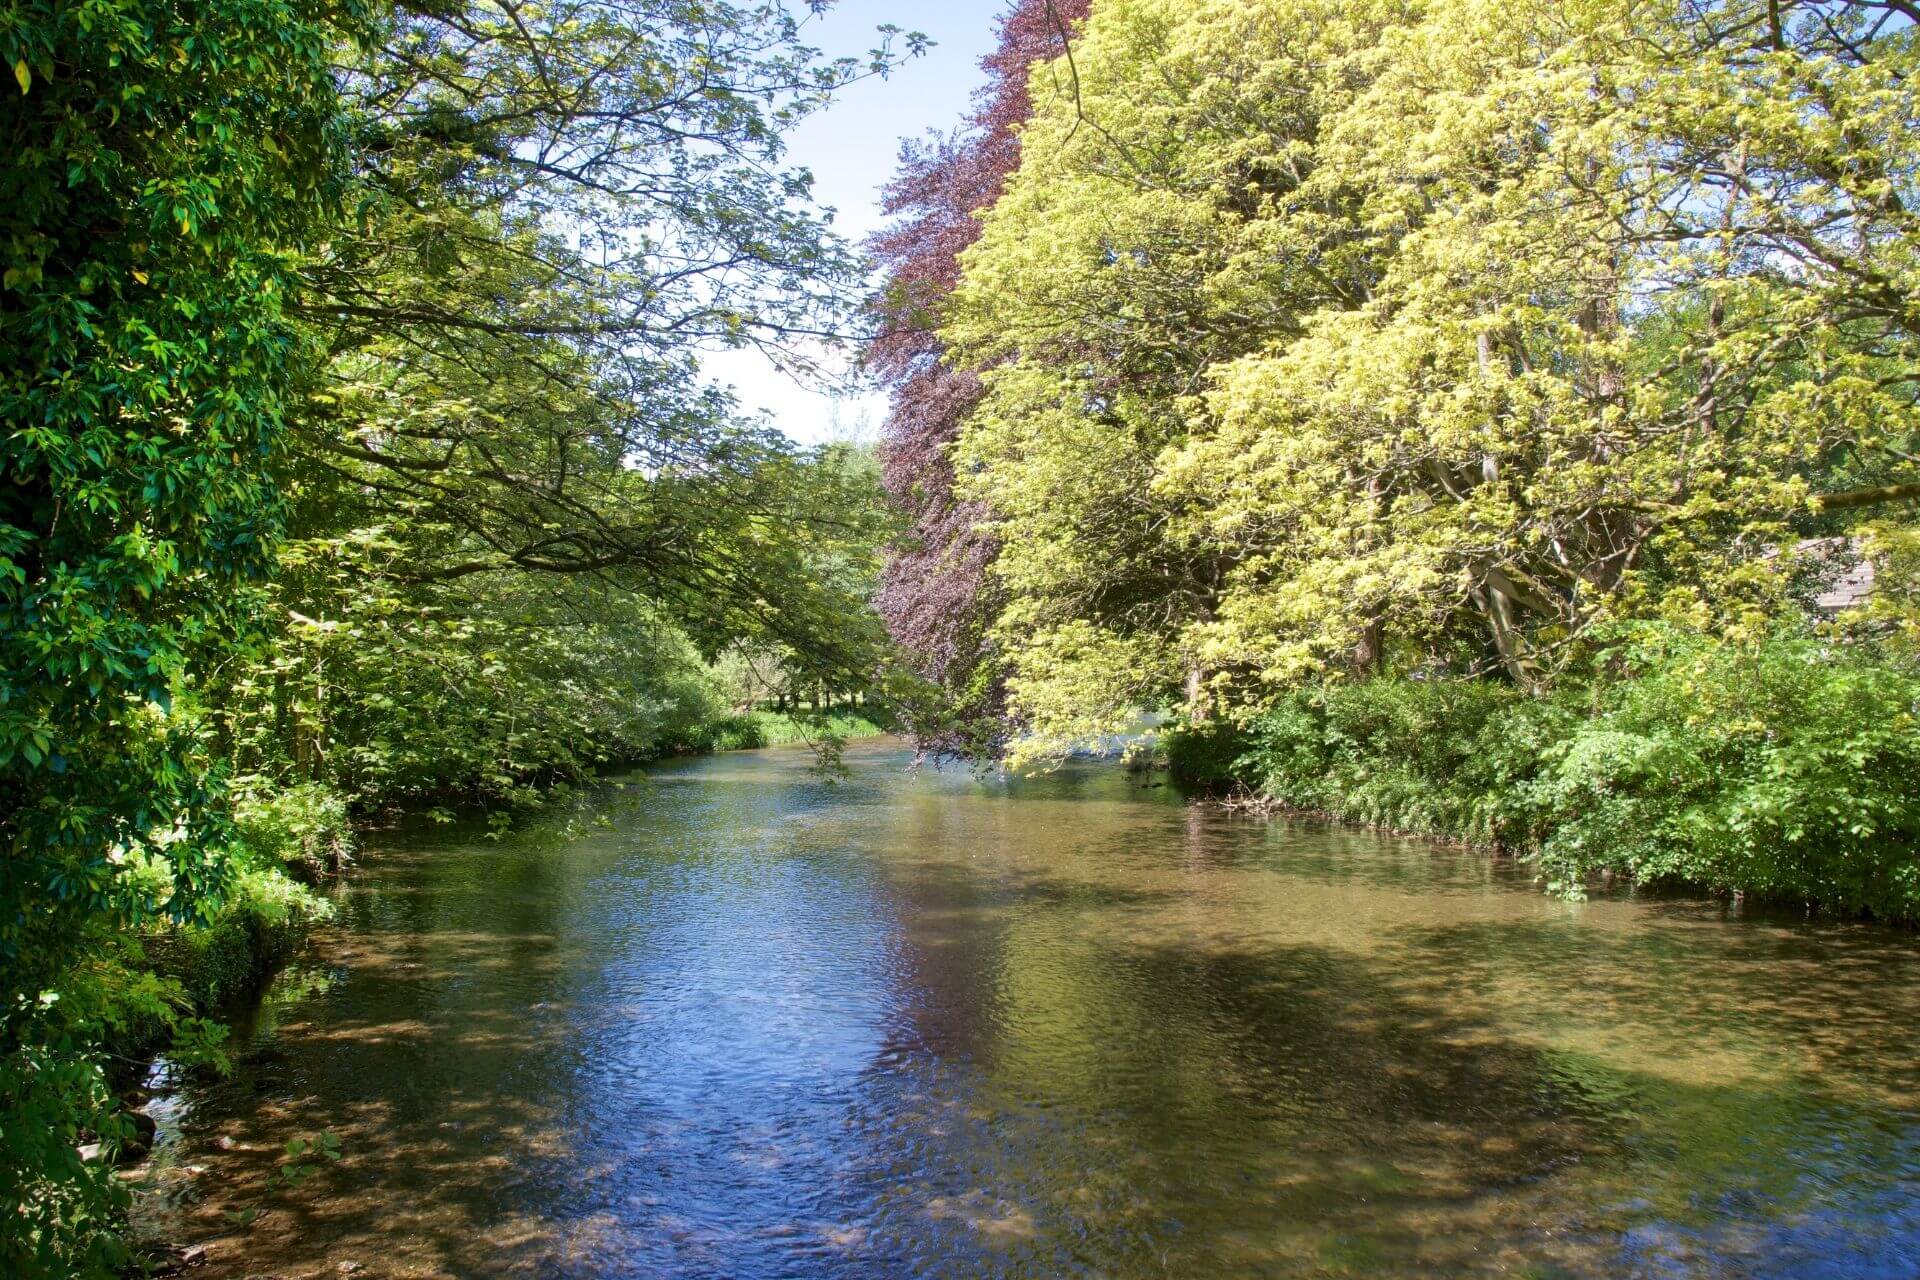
column 751, row 730
column 779, row 729
column 1783, row 770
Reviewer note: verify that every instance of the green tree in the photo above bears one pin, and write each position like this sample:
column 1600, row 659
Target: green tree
column 1644, row 313
column 1162, row 224
column 423, row 286
column 167, row 164
column 563, row 208
column 1443, row 332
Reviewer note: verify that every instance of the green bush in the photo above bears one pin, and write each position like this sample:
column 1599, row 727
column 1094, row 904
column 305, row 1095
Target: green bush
column 305, row 829
column 722, row 733
column 1433, row 757
column 132, row 995
column 1785, row 770
column 778, row 728
column 1208, row 757
column 261, row 925
column 752, row 729
column 402, row 696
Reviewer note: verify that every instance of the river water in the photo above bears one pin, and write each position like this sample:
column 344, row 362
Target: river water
column 725, row 1019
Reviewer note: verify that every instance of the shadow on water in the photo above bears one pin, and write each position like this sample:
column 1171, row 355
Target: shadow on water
column 753, row 1025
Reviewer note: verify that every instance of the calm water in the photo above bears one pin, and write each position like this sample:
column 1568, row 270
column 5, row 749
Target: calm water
column 750, row 1025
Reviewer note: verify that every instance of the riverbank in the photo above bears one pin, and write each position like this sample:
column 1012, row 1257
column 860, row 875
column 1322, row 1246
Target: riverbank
column 755, row 729
column 1780, row 772
column 164, row 989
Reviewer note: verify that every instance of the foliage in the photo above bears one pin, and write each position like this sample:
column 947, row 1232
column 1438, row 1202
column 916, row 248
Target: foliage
column 262, row 924
column 303, row 829
column 1371, row 335
column 934, row 593
column 740, row 731
column 133, row 993
column 395, row 694
column 1137, row 247
column 754, row 729
column 304, row 1156
column 61, row 1209
column 561, row 207
column 1778, row 768
column 1784, row 771
column 166, row 165
column 356, row 453
column 778, row 729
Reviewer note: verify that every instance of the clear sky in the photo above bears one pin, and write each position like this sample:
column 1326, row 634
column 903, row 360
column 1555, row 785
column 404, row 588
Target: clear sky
column 852, row 148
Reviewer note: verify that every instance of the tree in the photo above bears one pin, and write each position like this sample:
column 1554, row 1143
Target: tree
column 563, row 206
column 1644, row 313
column 167, row 163
column 1447, row 332
column 424, row 287
column 934, row 592
column 1159, row 226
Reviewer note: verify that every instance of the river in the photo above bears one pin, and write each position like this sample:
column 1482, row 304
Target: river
column 725, row 1019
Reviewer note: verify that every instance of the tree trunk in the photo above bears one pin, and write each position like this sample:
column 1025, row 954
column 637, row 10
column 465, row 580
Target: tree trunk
column 1370, row 650
column 1197, row 710
column 1509, row 641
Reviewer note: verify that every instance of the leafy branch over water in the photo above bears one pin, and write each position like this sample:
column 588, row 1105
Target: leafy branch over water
column 357, row 456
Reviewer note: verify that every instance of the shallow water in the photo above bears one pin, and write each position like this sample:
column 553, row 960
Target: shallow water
column 728, row 1020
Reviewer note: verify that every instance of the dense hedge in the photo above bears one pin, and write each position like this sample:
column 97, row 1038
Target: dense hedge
column 1786, row 770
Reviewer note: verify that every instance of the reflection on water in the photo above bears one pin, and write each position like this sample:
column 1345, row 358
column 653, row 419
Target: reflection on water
column 753, row 1025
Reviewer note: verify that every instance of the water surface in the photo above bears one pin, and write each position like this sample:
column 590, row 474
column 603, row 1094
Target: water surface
column 724, row 1019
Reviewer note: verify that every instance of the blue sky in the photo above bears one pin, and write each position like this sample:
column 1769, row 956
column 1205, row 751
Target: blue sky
column 851, row 149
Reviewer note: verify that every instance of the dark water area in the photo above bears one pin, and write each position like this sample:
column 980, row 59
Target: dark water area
column 725, row 1019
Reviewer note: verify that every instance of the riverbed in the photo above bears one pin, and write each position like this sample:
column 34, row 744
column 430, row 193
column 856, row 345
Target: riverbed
column 728, row 1018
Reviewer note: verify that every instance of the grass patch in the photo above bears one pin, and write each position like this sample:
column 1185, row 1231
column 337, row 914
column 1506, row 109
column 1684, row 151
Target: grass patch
column 778, row 729
column 753, row 729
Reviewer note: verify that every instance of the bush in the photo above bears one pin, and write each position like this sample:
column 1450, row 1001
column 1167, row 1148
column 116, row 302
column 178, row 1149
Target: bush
column 304, row 829
column 778, row 728
column 1786, row 771
column 262, row 923
column 1431, row 757
column 749, row 730
column 722, row 733
column 1783, row 769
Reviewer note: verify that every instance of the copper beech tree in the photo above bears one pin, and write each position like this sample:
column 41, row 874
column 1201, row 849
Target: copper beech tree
column 935, row 594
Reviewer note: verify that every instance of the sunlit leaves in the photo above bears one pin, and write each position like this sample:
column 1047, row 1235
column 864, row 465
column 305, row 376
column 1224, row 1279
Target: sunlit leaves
column 165, row 163
column 1458, row 328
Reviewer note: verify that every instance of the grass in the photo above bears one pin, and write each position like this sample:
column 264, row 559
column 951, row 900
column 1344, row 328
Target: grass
column 778, row 728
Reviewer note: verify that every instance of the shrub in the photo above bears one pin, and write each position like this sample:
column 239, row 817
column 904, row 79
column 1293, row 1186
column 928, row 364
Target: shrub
column 1784, row 769
column 749, row 730
column 722, row 733
column 778, row 729
column 1434, row 757
column 264, row 920
column 304, row 829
